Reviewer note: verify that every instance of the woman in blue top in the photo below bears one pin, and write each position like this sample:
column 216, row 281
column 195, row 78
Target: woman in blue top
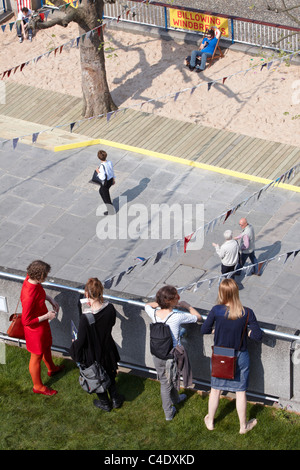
column 228, row 319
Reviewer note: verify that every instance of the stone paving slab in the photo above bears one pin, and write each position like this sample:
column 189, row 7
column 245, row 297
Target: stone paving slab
column 48, row 210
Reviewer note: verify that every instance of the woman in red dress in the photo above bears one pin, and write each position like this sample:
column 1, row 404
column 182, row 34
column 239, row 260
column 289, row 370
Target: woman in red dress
column 35, row 319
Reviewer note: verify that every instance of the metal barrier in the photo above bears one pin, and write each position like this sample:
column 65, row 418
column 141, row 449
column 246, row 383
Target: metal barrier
column 276, row 334
column 275, row 374
column 241, row 30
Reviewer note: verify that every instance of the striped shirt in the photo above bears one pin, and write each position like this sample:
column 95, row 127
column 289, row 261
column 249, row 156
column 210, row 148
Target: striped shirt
column 174, row 321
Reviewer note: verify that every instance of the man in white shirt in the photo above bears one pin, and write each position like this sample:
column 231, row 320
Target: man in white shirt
column 22, row 21
column 228, row 252
column 107, row 179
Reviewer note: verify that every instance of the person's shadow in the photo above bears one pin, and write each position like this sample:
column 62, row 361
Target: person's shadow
column 130, row 194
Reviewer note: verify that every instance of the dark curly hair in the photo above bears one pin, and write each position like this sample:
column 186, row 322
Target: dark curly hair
column 38, row 270
column 166, row 295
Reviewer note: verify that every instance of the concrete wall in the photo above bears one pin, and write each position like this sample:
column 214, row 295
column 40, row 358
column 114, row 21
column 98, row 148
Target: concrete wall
column 273, row 371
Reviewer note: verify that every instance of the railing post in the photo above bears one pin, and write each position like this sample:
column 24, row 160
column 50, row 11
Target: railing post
column 166, row 19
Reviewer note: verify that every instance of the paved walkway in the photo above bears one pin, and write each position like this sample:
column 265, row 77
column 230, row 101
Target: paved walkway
column 48, row 210
column 216, row 148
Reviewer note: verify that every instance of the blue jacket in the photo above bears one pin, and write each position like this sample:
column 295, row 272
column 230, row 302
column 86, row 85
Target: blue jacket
column 228, row 333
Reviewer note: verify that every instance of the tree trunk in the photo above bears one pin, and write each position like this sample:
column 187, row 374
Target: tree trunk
column 96, row 96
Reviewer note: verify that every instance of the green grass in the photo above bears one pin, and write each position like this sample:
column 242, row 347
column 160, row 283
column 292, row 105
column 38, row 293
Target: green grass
column 69, row 421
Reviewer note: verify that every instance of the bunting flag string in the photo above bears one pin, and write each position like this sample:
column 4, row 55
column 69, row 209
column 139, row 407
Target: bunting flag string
column 246, row 269
column 109, row 115
column 45, row 13
column 210, row 225
column 52, row 9
column 67, row 44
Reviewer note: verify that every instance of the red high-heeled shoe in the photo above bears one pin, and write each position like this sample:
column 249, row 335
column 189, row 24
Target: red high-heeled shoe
column 48, row 391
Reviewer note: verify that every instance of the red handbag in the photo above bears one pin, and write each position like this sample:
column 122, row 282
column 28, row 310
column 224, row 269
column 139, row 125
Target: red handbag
column 16, row 329
column 223, row 360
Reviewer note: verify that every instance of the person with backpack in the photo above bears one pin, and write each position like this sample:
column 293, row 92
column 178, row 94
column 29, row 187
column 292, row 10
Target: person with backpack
column 165, row 342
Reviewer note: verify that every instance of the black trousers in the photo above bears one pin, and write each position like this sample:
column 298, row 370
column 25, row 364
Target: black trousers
column 227, row 269
column 104, row 191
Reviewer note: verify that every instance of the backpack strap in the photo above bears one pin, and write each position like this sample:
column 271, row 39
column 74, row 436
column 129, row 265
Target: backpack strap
column 102, row 164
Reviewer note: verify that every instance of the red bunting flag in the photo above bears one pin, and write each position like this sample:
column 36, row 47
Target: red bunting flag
column 187, row 239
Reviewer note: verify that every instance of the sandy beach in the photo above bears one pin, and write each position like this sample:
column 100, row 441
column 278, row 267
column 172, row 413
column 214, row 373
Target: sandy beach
column 264, row 102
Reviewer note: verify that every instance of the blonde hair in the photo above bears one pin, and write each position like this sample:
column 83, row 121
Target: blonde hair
column 229, row 296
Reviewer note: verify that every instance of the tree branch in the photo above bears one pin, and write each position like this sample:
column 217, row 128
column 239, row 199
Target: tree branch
column 58, row 17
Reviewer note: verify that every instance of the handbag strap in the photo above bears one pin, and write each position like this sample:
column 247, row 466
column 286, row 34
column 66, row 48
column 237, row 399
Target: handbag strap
column 244, row 330
column 17, row 306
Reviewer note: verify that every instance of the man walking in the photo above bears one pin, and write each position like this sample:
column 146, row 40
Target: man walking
column 247, row 245
column 228, row 252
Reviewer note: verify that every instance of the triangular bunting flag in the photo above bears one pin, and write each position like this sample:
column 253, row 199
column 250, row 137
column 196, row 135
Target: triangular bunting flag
column 187, row 239
column 223, row 81
column 72, row 125
column 158, row 257
column 34, row 137
column 209, row 85
column 15, row 141
column 130, row 269
column 288, row 255
column 227, row 215
column 108, row 283
column 176, row 95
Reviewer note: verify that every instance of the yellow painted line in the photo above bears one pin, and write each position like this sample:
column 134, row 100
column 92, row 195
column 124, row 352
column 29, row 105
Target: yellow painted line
column 183, row 161
column 76, row 145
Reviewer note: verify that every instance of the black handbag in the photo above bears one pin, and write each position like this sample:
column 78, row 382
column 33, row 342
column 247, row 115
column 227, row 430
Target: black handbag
column 93, row 379
column 96, row 179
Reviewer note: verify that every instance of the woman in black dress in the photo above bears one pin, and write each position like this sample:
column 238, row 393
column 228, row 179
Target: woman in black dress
column 95, row 343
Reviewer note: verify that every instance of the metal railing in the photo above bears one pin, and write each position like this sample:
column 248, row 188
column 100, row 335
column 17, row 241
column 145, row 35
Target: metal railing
column 16, row 277
column 241, row 30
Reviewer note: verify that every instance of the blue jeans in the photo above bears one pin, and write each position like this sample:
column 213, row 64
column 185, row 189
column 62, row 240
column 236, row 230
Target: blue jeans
column 19, row 29
column 203, row 56
column 243, row 258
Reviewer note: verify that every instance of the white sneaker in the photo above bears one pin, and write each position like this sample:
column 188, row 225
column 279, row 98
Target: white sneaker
column 20, row 39
column 30, row 38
